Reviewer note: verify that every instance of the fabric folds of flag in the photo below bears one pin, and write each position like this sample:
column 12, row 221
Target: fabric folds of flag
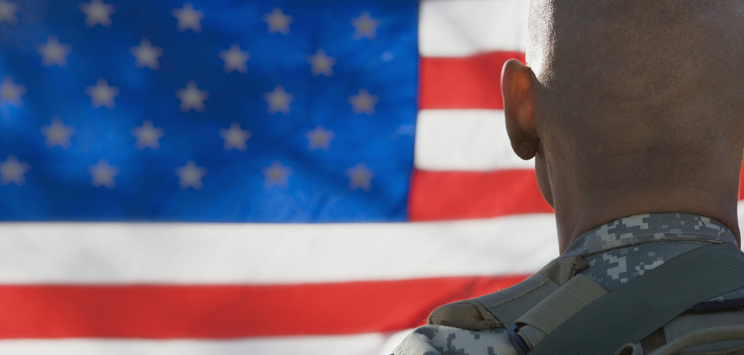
column 280, row 177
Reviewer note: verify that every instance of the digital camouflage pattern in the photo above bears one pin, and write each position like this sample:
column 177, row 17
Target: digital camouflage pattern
column 624, row 249
column 617, row 253
column 436, row 339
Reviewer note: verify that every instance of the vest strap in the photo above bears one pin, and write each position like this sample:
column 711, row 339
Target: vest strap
column 705, row 336
column 509, row 304
column 647, row 303
column 555, row 309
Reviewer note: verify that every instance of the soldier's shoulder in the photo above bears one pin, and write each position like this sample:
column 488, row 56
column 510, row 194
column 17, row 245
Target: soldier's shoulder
column 502, row 308
column 443, row 340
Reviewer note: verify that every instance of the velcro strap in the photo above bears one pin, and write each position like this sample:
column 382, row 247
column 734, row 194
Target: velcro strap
column 509, row 304
column 645, row 304
column 561, row 305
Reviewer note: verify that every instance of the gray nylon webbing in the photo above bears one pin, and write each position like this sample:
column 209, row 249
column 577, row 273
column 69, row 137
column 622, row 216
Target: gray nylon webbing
column 562, row 304
column 509, row 304
column 705, row 336
column 645, row 304
column 689, row 323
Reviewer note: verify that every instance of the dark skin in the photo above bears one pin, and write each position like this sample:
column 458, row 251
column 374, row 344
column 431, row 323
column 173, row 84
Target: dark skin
column 636, row 123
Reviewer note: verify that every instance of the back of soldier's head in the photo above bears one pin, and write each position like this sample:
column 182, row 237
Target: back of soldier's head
column 632, row 96
column 623, row 75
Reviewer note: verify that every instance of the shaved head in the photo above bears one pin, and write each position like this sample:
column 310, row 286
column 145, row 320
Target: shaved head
column 631, row 107
column 646, row 67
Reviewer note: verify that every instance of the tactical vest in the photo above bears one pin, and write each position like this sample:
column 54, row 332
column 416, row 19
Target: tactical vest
column 558, row 309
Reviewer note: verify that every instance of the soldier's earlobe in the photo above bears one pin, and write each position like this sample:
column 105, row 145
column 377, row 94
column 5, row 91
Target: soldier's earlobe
column 519, row 108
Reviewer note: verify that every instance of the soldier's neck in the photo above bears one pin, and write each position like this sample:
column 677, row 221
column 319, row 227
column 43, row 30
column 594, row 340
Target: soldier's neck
column 579, row 215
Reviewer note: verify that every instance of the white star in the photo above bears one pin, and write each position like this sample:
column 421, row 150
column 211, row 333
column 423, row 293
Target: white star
column 53, row 52
column 404, row 130
column 12, row 171
column 57, row 134
column 191, row 175
column 146, row 55
column 235, row 59
column 319, row 138
column 192, row 97
column 103, row 174
column 10, row 93
column 365, row 26
column 278, row 100
column 102, row 94
column 363, row 102
column 96, row 12
column 360, row 177
column 7, row 12
column 321, row 63
column 278, row 21
column 188, row 18
column 276, row 175
column 147, row 136
column 235, row 137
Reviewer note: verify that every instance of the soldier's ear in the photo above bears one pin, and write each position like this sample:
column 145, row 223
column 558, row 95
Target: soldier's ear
column 519, row 108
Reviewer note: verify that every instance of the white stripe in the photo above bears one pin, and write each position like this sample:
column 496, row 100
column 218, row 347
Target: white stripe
column 364, row 344
column 175, row 253
column 393, row 341
column 464, row 140
column 459, row 28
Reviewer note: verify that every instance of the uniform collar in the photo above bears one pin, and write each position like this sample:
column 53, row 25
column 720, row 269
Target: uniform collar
column 650, row 228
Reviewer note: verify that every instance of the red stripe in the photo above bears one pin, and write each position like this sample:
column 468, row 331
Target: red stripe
column 442, row 195
column 218, row 312
column 469, row 82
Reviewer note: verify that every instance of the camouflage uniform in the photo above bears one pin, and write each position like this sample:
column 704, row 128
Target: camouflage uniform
column 613, row 255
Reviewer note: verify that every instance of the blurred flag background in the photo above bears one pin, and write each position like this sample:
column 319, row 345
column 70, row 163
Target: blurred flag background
column 275, row 177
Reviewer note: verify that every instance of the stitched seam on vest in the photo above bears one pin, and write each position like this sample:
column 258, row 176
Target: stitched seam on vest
column 541, row 284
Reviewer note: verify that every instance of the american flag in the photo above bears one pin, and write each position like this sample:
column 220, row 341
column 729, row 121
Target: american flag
column 276, row 177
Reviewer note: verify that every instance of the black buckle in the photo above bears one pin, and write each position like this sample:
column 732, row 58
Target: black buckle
column 517, row 341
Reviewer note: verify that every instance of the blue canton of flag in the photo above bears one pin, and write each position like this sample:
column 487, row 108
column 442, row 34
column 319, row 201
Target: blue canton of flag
column 282, row 111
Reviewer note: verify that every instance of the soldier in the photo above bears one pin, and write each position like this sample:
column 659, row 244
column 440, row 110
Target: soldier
column 634, row 113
